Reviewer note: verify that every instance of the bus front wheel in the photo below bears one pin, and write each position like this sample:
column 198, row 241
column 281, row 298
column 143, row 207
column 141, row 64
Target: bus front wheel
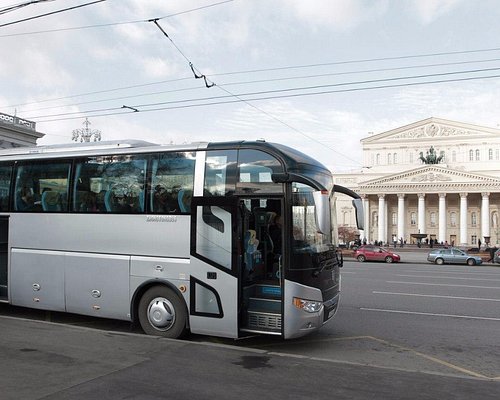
column 162, row 313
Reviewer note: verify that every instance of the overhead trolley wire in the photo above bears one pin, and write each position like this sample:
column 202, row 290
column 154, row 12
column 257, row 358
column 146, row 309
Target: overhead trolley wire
column 115, row 23
column 51, row 13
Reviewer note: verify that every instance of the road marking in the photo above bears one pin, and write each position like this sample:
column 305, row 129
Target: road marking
column 434, row 359
column 436, row 295
column 450, row 277
column 430, row 314
column 444, row 284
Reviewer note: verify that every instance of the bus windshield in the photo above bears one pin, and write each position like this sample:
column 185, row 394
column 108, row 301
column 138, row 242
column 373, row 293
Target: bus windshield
column 306, row 239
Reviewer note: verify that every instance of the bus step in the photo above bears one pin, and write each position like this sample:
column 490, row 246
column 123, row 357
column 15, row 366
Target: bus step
column 263, row 321
column 268, row 291
column 265, row 305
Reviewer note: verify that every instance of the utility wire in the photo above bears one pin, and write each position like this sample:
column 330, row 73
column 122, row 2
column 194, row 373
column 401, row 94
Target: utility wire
column 115, row 23
column 42, row 118
column 242, row 96
column 236, row 83
column 8, row 9
column 50, row 13
column 296, row 77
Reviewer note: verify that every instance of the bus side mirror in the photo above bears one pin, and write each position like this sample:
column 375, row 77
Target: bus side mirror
column 360, row 213
column 322, row 204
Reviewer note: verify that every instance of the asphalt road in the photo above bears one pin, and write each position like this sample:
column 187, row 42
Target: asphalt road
column 404, row 331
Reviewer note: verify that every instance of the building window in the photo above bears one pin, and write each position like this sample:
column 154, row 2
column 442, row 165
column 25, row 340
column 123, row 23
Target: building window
column 477, row 155
column 395, row 158
column 473, row 239
column 471, row 155
column 453, row 219
column 394, row 219
column 411, row 158
column 473, row 219
column 378, row 159
column 389, row 158
column 443, row 157
column 497, row 154
column 454, row 156
column 490, row 154
column 413, row 218
column 433, row 219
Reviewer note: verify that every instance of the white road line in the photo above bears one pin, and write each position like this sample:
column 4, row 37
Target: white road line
column 444, row 284
column 437, row 296
column 430, row 314
column 450, row 277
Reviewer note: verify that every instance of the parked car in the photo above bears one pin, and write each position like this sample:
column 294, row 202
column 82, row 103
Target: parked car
column 370, row 252
column 453, row 255
column 496, row 257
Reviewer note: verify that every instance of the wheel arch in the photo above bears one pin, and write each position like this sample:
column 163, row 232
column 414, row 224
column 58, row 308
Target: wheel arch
column 143, row 288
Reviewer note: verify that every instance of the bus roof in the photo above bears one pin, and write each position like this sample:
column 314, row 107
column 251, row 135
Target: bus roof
column 294, row 159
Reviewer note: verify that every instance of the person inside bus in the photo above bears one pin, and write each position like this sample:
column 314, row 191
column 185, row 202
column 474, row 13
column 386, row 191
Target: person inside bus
column 275, row 232
column 122, row 204
column 26, row 199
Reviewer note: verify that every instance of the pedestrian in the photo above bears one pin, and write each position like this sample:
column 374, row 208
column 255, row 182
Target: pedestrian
column 479, row 244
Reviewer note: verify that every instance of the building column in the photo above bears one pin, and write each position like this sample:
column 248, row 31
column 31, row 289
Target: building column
column 401, row 216
column 381, row 217
column 442, row 218
column 366, row 210
column 485, row 215
column 463, row 219
column 421, row 213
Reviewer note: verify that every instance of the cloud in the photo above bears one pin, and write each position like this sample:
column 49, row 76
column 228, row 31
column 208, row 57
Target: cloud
column 336, row 15
column 430, row 10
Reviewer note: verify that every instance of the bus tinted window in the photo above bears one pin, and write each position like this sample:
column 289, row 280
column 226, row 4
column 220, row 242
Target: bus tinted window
column 5, row 177
column 42, row 187
column 255, row 171
column 172, row 182
column 220, row 172
column 112, row 184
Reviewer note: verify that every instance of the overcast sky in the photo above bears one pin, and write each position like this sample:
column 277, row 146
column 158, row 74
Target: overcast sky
column 318, row 75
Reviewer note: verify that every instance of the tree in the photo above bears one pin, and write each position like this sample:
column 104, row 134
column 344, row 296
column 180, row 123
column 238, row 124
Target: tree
column 431, row 157
column 347, row 234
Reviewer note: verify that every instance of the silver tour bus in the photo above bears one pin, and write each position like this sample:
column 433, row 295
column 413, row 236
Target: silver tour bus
column 223, row 239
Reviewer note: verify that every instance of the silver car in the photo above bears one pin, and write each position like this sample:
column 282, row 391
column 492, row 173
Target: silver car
column 496, row 257
column 453, row 256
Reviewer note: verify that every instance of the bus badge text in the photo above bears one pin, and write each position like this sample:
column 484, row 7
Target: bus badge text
column 161, row 218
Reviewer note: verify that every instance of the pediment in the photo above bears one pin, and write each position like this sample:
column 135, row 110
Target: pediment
column 433, row 128
column 431, row 175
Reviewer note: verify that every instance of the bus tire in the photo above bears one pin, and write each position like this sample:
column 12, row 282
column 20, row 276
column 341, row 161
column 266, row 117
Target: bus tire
column 162, row 313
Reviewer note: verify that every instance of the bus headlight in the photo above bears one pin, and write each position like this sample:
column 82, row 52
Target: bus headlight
column 309, row 306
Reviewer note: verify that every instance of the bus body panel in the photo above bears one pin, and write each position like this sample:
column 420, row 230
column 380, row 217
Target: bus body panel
column 37, row 279
column 148, row 235
column 300, row 322
column 97, row 284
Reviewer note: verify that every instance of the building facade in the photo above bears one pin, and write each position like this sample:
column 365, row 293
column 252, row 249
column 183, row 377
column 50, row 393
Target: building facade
column 456, row 200
column 17, row 132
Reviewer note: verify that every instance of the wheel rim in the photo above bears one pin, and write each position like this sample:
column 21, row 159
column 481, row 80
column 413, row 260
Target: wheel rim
column 388, row 260
column 161, row 314
column 439, row 261
column 361, row 258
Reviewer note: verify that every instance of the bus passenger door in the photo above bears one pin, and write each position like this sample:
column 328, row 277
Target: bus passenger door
column 215, row 270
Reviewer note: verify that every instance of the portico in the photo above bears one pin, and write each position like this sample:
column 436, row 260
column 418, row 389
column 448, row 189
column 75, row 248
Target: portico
column 456, row 200
column 431, row 200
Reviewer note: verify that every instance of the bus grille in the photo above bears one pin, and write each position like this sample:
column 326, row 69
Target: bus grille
column 265, row 321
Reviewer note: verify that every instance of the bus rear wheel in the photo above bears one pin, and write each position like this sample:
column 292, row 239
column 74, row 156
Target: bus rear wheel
column 162, row 313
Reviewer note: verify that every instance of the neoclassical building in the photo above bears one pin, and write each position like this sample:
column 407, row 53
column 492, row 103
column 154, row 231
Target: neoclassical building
column 17, row 132
column 456, row 200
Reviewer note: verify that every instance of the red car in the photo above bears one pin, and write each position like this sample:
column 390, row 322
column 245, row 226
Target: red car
column 369, row 252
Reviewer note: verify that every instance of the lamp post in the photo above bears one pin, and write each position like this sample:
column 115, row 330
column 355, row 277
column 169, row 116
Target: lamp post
column 85, row 134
